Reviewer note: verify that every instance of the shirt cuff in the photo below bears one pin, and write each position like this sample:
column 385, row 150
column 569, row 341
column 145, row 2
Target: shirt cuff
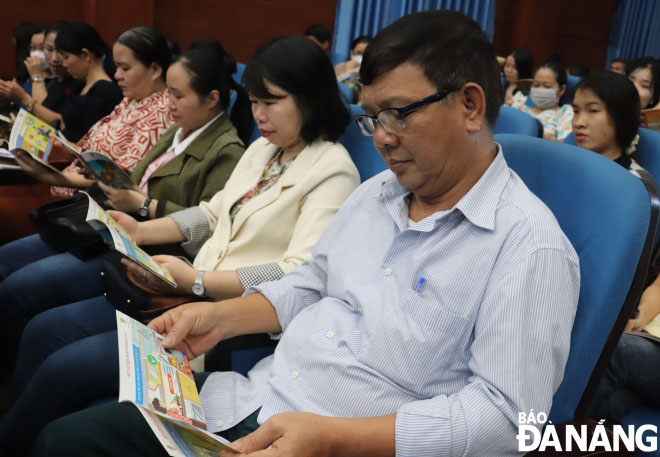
column 256, row 274
column 194, row 225
column 433, row 427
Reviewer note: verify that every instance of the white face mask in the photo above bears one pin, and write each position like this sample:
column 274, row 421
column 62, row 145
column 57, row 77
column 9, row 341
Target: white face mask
column 543, row 98
column 42, row 57
column 357, row 58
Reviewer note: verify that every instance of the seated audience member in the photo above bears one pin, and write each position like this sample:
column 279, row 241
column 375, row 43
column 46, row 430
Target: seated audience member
column 645, row 74
column 356, row 52
column 83, row 52
column 141, row 56
column 548, row 87
column 606, row 120
column 517, row 66
column 22, row 38
column 53, row 92
column 278, row 201
column 619, row 65
column 427, row 299
column 320, row 35
column 347, row 72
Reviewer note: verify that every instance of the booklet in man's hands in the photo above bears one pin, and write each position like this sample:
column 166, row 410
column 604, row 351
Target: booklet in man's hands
column 160, row 383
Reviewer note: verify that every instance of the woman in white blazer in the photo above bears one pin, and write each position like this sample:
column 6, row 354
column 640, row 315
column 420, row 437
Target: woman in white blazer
column 273, row 209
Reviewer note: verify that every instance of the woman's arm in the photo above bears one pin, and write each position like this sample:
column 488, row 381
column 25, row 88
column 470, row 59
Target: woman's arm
column 649, row 307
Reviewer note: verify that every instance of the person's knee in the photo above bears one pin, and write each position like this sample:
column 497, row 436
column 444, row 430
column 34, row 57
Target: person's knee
column 58, row 438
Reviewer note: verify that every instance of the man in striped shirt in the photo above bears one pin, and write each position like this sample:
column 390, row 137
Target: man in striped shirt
column 438, row 303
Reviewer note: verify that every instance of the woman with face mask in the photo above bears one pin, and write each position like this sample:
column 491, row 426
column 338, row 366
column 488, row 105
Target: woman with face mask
column 54, row 88
column 548, row 87
column 347, row 72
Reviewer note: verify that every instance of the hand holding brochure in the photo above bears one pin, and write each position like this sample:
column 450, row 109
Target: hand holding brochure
column 115, row 235
column 159, row 382
column 105, row 169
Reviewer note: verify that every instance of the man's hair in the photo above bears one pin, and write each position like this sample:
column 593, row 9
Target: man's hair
column 450, row 48
column 318, row 31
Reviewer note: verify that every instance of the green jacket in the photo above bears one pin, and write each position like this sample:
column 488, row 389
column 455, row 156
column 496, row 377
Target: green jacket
column 196, row 174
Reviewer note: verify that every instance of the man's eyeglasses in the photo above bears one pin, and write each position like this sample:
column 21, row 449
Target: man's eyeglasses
column 393, row 120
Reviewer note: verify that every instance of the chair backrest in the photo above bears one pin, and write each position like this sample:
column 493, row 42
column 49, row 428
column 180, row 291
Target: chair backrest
column 361, row 148
column 610, row 219
column 511, row 120
column 240, row 68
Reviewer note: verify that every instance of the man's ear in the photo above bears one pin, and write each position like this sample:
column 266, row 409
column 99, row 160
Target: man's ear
column 474, row 106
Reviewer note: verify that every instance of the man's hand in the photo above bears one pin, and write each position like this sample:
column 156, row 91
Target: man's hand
column 126, row 200
column 291, row 435
column 194, row 327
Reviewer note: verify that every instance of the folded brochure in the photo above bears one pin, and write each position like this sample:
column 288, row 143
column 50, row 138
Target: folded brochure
column 34, row 136
column 160, row 383
column 115, row 236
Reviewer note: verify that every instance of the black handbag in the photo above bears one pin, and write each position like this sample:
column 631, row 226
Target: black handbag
column 133, row 298
column 61, row 224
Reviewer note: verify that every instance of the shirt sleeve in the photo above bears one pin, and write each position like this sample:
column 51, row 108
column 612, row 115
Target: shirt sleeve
column 520, row 347
column 194, row 225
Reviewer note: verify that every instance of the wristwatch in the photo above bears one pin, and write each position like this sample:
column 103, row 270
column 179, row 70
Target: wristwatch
column 198, row 285
column 37, row 79
column 143, row 210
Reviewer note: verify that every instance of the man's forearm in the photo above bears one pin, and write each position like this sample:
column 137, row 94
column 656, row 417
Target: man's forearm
column 248, row 315
column 366, row 437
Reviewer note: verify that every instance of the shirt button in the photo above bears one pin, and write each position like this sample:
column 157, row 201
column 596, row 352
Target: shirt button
column 388, row 271
column 220, row 423
column 294, row 374
column 360, row 309
column 230, row 421
column 330, row 334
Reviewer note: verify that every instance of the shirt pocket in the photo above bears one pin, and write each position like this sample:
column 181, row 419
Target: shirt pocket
column 417, row 344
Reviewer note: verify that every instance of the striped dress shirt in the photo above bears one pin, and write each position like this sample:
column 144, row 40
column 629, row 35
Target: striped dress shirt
column 455, row 323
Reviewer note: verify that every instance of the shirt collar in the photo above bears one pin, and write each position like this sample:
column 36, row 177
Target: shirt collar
column 180, row 146
column 478, row 205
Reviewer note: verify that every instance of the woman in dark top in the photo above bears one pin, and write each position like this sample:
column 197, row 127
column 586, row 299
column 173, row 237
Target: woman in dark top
column 82, row 51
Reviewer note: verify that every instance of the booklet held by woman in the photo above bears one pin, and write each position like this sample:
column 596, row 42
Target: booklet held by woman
column 159, row 382
column 118, row 239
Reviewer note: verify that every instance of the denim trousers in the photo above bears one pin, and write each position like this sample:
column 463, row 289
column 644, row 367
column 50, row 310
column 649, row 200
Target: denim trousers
column 631, row 381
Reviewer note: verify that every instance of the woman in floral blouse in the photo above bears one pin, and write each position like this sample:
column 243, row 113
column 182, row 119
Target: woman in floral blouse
column 548, row 87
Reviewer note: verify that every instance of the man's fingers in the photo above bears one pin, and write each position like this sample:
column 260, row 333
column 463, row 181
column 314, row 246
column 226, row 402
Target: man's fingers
column 260, row 439
column 179, row 330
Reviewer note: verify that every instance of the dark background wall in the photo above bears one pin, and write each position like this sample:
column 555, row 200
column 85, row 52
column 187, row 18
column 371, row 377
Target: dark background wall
column 240, row 25
column 576, row 29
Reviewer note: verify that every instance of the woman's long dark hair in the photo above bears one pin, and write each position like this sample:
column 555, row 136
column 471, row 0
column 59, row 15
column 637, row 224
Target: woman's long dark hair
column 621, row 101
column 211, row 68
column 76, row 36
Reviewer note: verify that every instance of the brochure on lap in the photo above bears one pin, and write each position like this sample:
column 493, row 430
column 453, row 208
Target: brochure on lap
column 160, row 383
column 116, row 237
column 651, row 119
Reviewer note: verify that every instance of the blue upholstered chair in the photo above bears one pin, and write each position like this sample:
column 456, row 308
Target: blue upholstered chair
column 610, row 217
column 515, row 121
column 240, row 68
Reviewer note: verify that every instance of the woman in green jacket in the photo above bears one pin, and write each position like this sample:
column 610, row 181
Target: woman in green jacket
column 193, row 159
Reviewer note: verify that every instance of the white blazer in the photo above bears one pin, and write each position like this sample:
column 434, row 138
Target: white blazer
column 282, row 224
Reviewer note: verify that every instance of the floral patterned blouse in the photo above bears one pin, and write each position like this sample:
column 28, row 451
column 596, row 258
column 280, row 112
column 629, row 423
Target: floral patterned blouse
column 557, row 123
column 126, row 134
column 274, row 169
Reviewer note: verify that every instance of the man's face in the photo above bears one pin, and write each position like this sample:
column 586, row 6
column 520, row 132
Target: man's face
column 425, row 156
